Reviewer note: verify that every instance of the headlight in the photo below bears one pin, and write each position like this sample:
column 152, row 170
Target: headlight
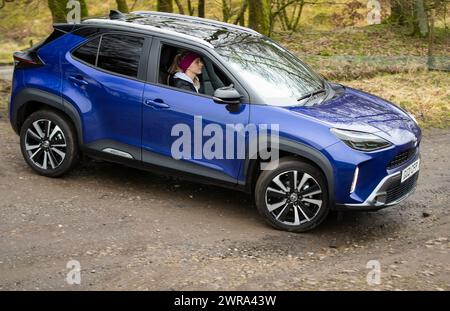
column 360, row 140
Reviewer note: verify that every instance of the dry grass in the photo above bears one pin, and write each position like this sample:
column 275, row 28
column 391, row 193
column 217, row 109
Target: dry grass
column 364, row 52
column 7, row 49
column 358, row 67
column 375, row 40
column 423, row 93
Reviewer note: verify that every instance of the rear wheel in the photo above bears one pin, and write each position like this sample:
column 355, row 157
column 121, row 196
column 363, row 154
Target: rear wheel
column 293, row 197
column 48, row 143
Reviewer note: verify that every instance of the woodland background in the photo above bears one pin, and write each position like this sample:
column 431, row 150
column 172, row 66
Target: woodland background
column 404, row 58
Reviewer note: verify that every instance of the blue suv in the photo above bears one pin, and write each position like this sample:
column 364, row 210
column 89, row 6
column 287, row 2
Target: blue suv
column 104, row 88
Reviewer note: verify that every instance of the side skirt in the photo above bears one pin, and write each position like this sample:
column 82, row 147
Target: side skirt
column 181, row 172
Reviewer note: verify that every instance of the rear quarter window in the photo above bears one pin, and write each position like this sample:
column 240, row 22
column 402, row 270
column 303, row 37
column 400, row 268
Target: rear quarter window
column 116, row 53
column 88, row 52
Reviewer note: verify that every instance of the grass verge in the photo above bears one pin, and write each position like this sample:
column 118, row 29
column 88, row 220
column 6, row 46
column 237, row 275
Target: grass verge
column 426, row 94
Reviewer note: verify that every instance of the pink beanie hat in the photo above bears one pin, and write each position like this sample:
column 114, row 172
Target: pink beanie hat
column 187, row 60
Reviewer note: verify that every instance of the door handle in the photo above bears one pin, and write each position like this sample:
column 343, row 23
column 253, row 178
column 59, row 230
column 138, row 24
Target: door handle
column 78, row 80
column 156, row 103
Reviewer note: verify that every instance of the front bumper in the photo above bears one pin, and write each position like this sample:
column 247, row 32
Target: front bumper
column 378, row 182
column 390, row 191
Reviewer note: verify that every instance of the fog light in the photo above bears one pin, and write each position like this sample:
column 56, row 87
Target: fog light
column 355, row 179
column 381, row 198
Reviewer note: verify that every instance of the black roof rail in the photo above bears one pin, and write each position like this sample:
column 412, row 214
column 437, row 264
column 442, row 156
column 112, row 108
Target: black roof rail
column 65, row 27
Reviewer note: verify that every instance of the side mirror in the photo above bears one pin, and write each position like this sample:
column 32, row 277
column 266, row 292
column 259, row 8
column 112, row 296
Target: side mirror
column 227, row 95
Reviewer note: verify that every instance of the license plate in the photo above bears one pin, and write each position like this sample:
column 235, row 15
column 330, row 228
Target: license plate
column 410, row 170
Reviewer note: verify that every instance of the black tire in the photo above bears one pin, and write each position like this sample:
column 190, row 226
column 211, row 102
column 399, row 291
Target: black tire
column 299, row 210
column 48, row 160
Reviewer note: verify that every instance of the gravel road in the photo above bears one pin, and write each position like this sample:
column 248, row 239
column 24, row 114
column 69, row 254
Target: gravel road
column 136, row 231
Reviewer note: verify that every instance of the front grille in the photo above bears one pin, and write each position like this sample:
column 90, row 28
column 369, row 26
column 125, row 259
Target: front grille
column 399, row 190
column 401, row 158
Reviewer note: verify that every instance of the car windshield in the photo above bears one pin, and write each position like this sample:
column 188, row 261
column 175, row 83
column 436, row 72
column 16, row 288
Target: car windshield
column 277, row 75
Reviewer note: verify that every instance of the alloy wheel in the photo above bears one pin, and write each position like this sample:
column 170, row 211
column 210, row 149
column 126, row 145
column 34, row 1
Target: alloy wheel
column 45, row 144
column 293, row 198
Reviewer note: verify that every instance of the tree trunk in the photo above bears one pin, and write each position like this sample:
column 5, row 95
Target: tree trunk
column 420, row 18
column 165, row 6
column 240, row 19
column 399, row 12
column 201, row 8
column 58, row 14
column 299, row 16
column 122, row 6
column 58, row 9
column 84, row 9
column 180, row 7
column 191, row 9
column 259, row 16
column 430, row 62
column 226, row 11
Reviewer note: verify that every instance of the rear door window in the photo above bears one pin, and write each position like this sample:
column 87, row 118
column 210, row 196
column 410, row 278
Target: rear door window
column 120, row 54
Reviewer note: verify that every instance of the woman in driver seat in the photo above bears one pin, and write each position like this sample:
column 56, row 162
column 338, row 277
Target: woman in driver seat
column 191, row 65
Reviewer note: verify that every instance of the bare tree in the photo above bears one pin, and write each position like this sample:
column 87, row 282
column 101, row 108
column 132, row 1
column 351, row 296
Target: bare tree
column 180, row 6
column 58, row 9
column 420, row 18
column 412, row 14
column 226, row 10
column 191, row 8
column 280, row 11
column 240, row 19
column 259, row 16
column 201, row 8
column 122, row 6
column 165, row 6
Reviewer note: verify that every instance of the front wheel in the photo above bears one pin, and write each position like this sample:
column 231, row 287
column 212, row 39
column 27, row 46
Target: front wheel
column 292, row 197
column 48, row 143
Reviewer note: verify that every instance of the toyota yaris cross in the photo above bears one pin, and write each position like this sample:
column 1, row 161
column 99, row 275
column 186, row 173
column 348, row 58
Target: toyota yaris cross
column 103, row 88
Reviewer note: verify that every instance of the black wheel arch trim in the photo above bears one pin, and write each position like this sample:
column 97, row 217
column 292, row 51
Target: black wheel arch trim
column 299, row 149
column 29, row 95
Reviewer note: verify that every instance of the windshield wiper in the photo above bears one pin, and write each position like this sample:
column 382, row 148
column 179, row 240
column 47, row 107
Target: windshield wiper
column 309, row 96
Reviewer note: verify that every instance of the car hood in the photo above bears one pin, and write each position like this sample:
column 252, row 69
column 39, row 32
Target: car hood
column 359, row 111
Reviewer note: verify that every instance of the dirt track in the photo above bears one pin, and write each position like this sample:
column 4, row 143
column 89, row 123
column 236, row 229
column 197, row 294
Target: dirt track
column 134, row 230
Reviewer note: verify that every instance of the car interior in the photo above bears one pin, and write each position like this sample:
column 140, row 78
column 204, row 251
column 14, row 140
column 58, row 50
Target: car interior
column 211, row 79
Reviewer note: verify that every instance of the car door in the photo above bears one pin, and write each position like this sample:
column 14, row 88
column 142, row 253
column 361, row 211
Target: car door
column 166, row 108
column 103, row 79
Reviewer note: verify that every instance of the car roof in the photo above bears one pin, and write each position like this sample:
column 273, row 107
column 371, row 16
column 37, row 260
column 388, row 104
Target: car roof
column 205, row 31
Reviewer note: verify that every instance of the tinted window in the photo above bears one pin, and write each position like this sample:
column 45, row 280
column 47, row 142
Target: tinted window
column 276, row 74
column 120, row 54
column 88, row 51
